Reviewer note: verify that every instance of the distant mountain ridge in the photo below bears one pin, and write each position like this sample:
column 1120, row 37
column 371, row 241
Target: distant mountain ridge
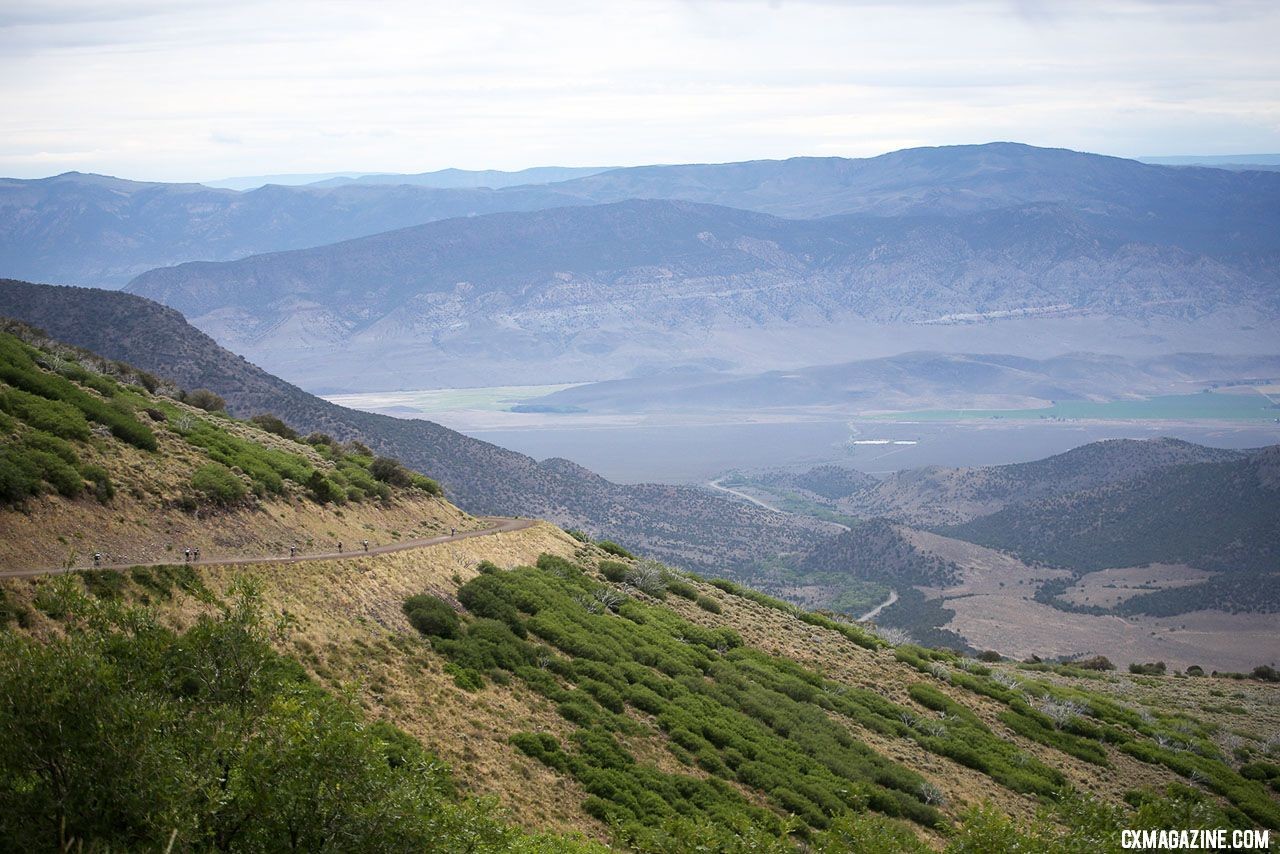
column 493, row 179
column 102, row 231
column 594, row 292
column 73, row 228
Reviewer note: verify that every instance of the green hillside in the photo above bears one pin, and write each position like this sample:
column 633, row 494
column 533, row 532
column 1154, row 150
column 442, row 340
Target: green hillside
column 1218, row 516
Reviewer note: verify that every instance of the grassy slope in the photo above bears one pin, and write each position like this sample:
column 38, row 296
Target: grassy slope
column 155, row 512
column 350, row 633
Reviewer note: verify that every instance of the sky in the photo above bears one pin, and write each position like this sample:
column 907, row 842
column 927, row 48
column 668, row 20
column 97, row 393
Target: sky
column 203, row 89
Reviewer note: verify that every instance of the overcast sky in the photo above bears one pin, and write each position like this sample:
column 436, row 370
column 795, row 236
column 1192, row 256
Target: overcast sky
column 199, row 90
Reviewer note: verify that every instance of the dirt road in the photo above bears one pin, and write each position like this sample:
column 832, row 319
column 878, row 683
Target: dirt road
column 501, row 525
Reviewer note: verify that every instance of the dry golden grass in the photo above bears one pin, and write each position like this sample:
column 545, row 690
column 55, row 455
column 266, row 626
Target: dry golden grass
column 348, row 631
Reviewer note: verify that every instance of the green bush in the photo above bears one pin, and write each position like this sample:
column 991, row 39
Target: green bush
column 683, row 589
column 218, row 484
column 18, row 369
column 324, row 490
column 390, row 471
column 614, row 571
column 103, row 489
column 57, row 472
column 706, row 603
column 272, row 424
column 212, row 735
column 431, row 616
column 203, row 398
column 1265, row 673
column 425, row 484
column 614, row 549
column 1149, row 669
column 52, row 416
column 103, row 583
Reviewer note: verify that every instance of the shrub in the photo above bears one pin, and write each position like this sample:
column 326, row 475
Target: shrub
column 1195, row 670
column 57, row 472
column 272, row 424
column 20, row 477
column 103, row 583
column 1098, row 662
column 1148, row 669
column 1265, row 673
column 203, row 398
column 52, row 416
column 683, row 589
column 614, row 549
column 103, row 489
column 325, row 490
column 647, row 576
column 487, row 567
column 218, row 484
column 431, row 616
column 706, row 603
column 613, row 570
column 990, row 656
column 426, row 484
column 390, row 471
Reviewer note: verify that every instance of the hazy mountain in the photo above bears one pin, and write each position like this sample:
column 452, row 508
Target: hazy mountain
column 468, row 178
column 97, row 230
column 287, row 179
column 916, row 381
column 935, row 495
column 595, row 292
column 689, row 526
column 948, row 180
column 103, row 231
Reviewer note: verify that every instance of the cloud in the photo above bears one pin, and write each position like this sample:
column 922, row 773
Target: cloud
column 198, row 89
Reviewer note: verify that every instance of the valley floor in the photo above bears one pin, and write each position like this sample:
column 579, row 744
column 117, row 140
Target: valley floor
column 995, row 609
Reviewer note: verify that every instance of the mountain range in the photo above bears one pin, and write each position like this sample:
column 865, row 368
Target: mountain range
column 604, row 291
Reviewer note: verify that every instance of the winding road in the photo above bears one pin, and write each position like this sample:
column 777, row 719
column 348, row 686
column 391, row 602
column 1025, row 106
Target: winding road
column 715, row 484
column 874, row 612
column 501, row 525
